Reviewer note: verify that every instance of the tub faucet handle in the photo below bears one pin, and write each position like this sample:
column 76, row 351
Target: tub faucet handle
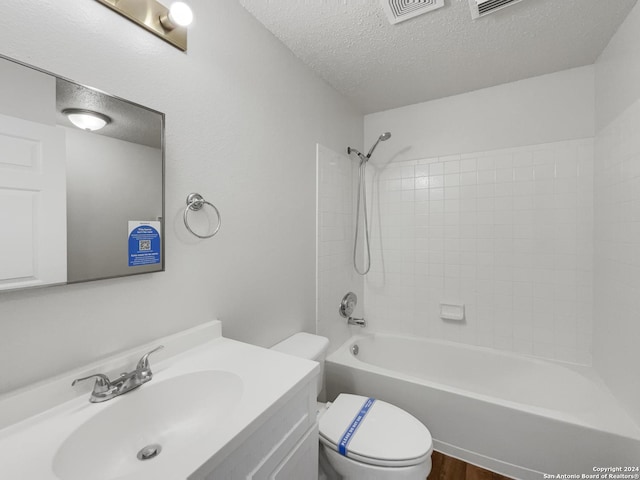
column 348, row 305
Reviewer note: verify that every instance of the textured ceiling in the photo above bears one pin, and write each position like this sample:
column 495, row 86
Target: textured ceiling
column 352, row 45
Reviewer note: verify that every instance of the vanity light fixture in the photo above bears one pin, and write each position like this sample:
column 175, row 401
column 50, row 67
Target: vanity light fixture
column 86, row 119
column 179, row 15
column 170, row 24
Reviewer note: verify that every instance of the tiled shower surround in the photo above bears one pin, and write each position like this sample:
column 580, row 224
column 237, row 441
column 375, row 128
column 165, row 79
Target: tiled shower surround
column 617, row 253
column 335, row 217
column 508, row 233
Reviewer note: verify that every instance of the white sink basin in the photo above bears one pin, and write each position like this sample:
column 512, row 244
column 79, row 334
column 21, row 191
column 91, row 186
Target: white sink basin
column 173, row 414
column 208, row 396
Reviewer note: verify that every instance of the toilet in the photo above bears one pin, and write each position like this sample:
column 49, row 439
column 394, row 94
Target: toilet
column 363, row 438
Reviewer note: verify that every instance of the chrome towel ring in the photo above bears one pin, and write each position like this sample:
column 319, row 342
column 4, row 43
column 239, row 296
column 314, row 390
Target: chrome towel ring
column 195, row 202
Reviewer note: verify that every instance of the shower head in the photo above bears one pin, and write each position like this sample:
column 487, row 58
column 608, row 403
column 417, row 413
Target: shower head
column 382, row 138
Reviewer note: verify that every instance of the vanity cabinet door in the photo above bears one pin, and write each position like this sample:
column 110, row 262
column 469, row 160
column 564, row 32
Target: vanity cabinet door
column 282, row 445
column 302, row 462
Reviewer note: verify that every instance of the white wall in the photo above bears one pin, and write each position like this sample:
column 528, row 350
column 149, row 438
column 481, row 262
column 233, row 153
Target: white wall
column 617, row 214
column 485, row 199
column 618, row 72
column 243, row 119
column 544, row 109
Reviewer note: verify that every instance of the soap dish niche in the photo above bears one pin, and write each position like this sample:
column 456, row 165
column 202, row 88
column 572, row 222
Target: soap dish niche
column 452, row 311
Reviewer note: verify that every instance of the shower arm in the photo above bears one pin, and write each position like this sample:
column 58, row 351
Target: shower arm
column 360, row 155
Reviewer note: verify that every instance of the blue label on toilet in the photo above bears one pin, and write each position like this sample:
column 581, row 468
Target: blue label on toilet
column 349, row 432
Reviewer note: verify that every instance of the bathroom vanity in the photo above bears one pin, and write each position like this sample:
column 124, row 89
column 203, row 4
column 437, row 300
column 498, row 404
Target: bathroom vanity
column 215, row 409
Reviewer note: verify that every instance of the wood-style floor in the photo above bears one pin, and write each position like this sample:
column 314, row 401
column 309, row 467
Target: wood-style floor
column 447, row 468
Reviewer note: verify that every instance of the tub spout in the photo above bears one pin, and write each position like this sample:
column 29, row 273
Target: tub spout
column 361, row 322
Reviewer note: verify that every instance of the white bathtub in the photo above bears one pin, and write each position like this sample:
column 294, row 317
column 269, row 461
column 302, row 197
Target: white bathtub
column 515, row 415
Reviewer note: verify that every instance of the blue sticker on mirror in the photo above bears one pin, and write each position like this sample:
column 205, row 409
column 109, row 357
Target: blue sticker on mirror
column 144, row 243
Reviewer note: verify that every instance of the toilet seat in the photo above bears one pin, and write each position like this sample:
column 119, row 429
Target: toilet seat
column 386, row 436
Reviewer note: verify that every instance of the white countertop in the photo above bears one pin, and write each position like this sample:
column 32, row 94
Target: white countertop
column 28, row 447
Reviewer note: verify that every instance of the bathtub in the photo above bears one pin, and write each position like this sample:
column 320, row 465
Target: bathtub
column 515, row 415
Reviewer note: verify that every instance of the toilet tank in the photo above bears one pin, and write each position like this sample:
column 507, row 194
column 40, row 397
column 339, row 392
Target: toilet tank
column 309, row 346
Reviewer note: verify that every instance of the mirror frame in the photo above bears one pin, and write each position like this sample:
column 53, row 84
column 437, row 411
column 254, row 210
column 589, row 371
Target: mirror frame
column 163, row 173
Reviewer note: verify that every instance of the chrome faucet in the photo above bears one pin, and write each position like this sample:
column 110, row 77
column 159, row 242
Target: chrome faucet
column 105, row 389
column 361, row 322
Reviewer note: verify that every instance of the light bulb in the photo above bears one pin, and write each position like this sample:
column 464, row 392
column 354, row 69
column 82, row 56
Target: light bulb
column 86, row 119
column 180, row 14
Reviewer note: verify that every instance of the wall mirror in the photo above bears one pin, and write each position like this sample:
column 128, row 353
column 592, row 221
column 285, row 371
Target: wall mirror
column 81, row 182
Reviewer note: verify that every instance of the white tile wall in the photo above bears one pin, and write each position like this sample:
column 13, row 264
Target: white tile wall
column 617, row 256
column 335, row 230
column 617, row 215
column 509, row 233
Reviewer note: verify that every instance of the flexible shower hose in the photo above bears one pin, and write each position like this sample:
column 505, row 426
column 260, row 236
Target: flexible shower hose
column 362, row 194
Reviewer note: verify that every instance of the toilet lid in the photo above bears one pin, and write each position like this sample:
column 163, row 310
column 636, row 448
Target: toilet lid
column 374, row 432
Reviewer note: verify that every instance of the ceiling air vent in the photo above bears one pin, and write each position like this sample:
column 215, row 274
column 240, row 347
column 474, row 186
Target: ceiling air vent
column 480, row 8
column 401, row 10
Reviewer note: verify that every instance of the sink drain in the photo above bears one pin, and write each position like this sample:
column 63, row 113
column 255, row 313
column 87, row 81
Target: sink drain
column 149, row 452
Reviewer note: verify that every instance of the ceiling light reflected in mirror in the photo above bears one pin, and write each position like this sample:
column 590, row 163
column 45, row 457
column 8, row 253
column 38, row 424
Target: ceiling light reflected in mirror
column 86, row 119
